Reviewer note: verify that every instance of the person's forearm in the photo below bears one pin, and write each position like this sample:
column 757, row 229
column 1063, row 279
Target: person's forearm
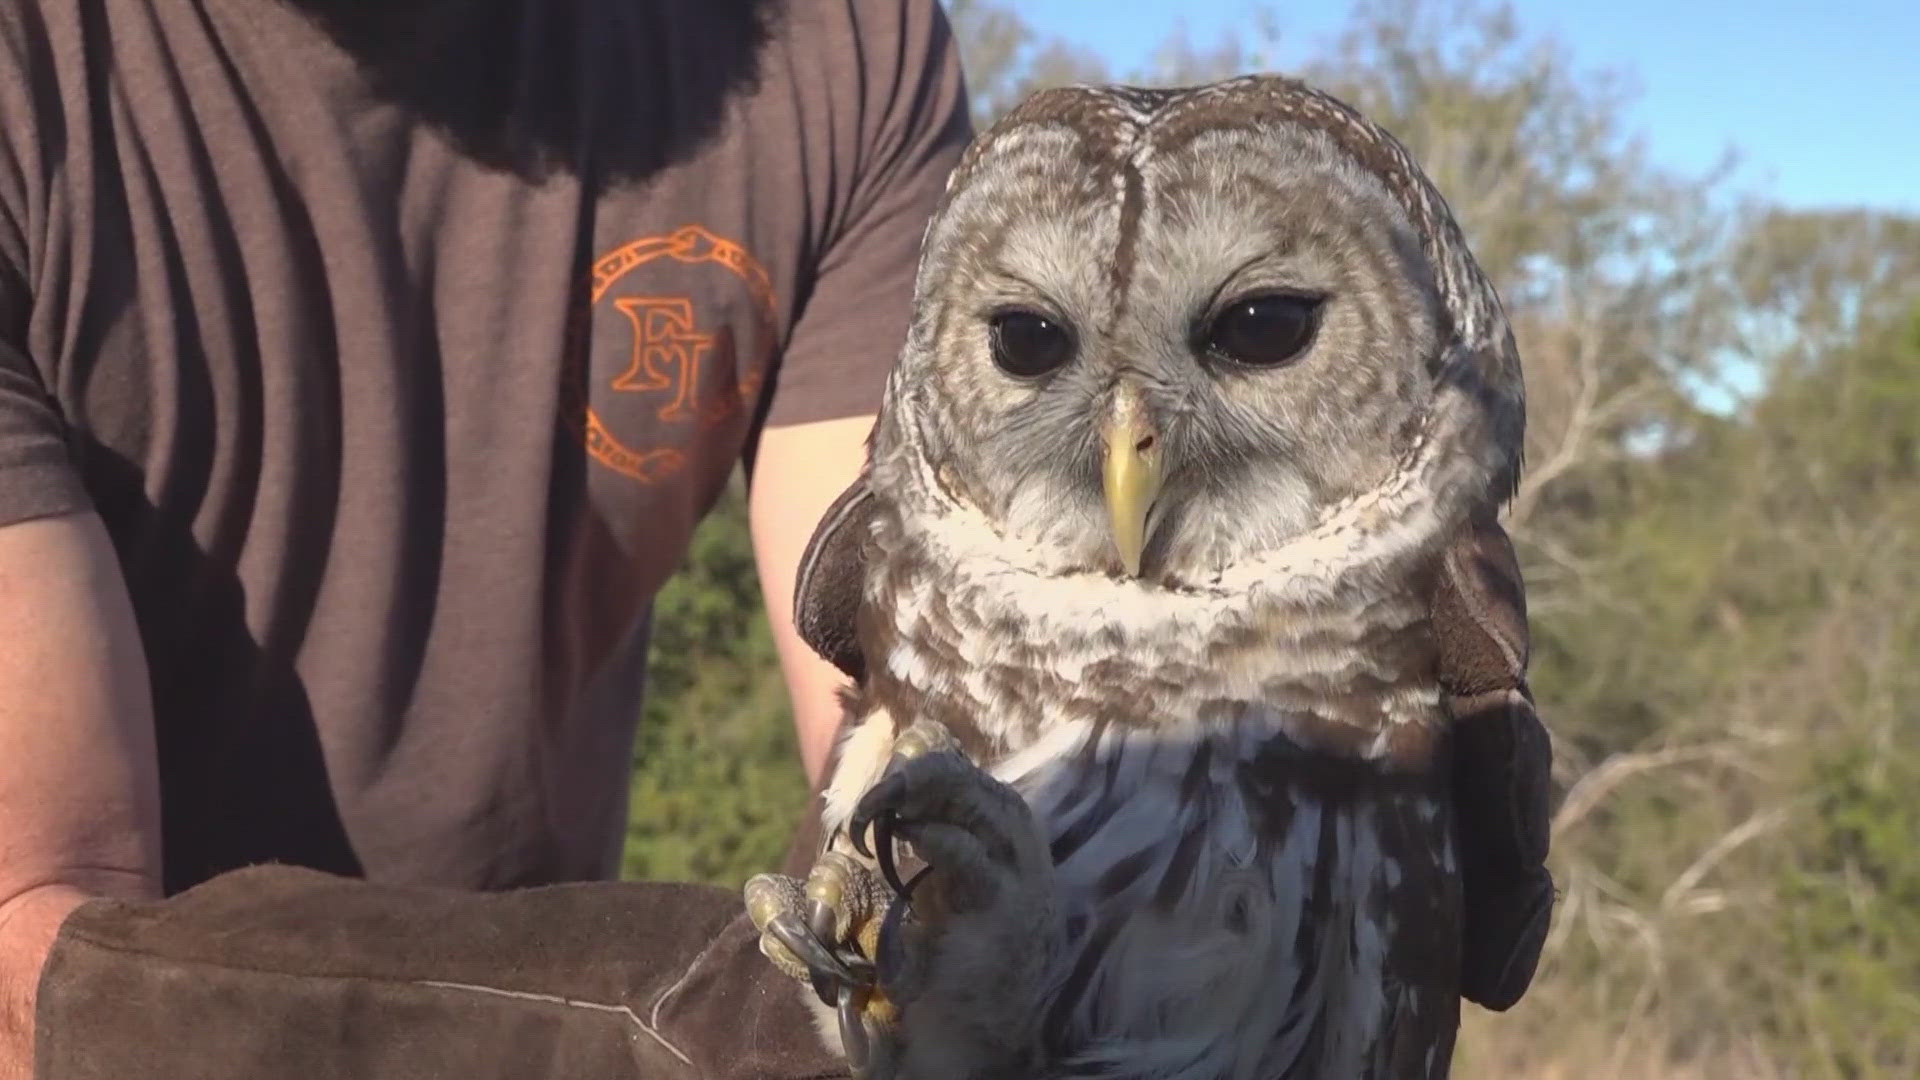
column 28, row 924
column 800, row 471
column 79, row 791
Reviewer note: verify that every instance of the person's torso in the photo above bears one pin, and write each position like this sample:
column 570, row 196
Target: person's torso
column 396, row 430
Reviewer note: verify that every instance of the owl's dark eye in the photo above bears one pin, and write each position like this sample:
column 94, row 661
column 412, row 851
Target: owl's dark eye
column 1027, row 344
column 1262, row 331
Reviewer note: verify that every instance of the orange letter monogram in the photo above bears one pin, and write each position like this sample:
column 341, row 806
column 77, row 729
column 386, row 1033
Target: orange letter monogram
column 670, row 352
column 666, row 351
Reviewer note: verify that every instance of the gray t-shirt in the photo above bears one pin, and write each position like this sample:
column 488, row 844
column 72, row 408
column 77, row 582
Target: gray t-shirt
column 400, row 345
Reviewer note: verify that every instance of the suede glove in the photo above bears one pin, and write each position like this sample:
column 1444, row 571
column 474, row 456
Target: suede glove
column 275, row 973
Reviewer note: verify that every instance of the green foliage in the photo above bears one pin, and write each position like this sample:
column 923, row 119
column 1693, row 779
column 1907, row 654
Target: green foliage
column 1852, row 912
column 1734, row 689
column 717, row 785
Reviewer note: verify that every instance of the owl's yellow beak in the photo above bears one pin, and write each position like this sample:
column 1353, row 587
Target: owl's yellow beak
column 1132, row 476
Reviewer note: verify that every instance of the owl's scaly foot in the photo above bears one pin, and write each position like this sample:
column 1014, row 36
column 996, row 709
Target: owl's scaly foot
column 823, row 932
column 806, row 926
column 967, row 951
column 921, row 738
column 978, row 933
column 974, row 831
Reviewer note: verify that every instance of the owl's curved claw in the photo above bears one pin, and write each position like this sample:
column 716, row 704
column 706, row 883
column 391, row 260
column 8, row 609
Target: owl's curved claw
column 827, row 969
column 883, row 841
column 853, row 1032
column 857, row 832
column 875, row 812
column 888, row 957
column 982, row 875
column 920, row 739
column 823, row 932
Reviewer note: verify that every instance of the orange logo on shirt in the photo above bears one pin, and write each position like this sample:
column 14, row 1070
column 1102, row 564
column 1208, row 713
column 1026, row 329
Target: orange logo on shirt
column 666, row 351
column 670, row 350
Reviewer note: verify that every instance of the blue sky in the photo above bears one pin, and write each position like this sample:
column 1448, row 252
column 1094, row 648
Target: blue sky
column 1821, row 101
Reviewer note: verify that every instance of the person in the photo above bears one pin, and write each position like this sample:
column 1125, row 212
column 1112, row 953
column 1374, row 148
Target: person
column 363, row 371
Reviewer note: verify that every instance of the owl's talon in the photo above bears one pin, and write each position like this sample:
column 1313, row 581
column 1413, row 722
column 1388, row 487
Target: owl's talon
column 822, row 919
column 982, row 874
column 853, row 1032
column 770, row 897
column 867, row 813
column 884, row 853
column 820, row 961
column 808, row 930
column 823, row 933
column 875, row 813
column 957, row 818
column 852, row 926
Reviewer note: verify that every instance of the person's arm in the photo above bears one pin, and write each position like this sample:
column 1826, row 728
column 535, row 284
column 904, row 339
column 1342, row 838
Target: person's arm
column 801, row 469
column 79, row 791
column 79, row 795
column 901, row 93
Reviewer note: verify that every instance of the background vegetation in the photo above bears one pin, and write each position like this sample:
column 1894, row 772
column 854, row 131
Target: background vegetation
column 1721, row 530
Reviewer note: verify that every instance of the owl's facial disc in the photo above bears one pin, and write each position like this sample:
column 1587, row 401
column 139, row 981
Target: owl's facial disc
column 1132, row 474
column 1161, row 352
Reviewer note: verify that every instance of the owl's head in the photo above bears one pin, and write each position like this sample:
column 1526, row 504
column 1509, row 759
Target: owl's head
column 1160, row 333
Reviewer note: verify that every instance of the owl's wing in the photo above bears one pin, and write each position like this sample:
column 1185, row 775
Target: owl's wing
column 826, row 596
column 1502, row 765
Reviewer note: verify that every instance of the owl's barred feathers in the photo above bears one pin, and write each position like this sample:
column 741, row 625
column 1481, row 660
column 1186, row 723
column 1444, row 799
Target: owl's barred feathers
column 1235, row 758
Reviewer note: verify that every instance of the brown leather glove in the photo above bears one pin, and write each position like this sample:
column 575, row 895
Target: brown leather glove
column 276, row 972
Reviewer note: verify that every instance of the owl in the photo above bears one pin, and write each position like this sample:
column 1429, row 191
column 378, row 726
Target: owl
column 1190, row 735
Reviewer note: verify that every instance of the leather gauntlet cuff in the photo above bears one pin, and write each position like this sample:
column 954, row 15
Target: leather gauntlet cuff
column 275, row 972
